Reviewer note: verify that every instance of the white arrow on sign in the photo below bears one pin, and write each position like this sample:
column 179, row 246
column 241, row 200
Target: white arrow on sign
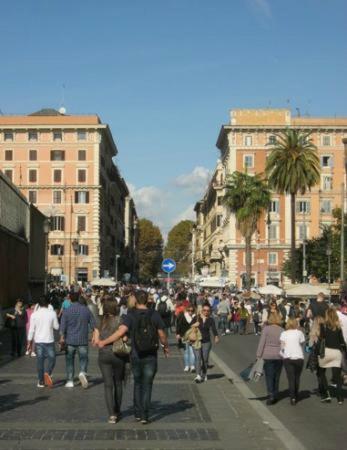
column 169, row 265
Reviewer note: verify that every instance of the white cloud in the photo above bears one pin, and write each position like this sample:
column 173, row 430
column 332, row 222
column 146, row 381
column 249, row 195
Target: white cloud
column 151, row 202
column 187, row 214
column 194, row 182
column 262, row 8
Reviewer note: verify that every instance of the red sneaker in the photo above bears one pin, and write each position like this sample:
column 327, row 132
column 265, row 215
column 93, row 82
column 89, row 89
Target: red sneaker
column 48, row 380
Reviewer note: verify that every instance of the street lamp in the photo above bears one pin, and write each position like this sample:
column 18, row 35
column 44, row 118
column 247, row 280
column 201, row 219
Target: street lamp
column 116, row 274
column 328, row 253
column 75, row 245
column 46, row 230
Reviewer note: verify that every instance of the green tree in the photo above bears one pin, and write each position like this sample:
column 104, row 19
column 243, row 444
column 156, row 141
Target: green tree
column 247, row 197
column 178, row 246
column 150, row 249
column 293, row 167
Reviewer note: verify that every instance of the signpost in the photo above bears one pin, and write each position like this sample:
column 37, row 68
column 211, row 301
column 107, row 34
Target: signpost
column 168, row 266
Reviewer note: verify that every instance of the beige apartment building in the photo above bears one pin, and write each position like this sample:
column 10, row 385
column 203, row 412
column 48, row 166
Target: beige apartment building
column 64, row 165
column 244, row 145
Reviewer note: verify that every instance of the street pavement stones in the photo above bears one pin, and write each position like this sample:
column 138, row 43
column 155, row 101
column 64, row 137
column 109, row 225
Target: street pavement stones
column 209, row 416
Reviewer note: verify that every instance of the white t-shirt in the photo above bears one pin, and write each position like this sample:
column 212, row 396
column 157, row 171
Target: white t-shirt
column 42, row 323
column 343, row 322
column 291, row 344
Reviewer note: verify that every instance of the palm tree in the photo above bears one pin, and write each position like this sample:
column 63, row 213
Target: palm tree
column 293, row 167
column 247, row 197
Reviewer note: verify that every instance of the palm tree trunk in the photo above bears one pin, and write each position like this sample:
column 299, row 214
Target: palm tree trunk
column 248, row 249
column 293, row 236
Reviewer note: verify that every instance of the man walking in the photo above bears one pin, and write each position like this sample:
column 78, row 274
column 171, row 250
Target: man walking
column 74, row 328
column 146, row 329
column 43, row 322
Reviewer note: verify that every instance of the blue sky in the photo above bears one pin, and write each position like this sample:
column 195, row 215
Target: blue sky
column 165, row 73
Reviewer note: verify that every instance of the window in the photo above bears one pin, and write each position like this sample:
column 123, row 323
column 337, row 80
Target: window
column 81, row 135
column 57, row 155
column 83, row 250
column 274, row 206
column 32, row 135
column 272, row 258
column 81, row 197
column 327, row 183
column 272, row 232
column 32, row 155
column 58, row 223
column 82, row 155
column 82, row 274
column 8, row 155
column 32, row 176
column 56, row 196
column 57, row 176
column 57, row 135
column 303, row 206
column 8, row 136
column 326, row 141
column 82, row 175
column 9, row 174
column 81, row 223
column 272, row 140
column 32, row 196
column 325, row 206
column 219, row 220
column 248, row 141
column 326, row 161
column 57, row 249
column 302, row 228
column 248, row 161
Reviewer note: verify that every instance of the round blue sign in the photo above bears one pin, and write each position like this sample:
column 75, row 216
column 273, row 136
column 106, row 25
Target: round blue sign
column 168, row 265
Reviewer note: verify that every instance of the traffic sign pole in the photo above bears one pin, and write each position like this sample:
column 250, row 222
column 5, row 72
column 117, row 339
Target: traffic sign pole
column 168, row 266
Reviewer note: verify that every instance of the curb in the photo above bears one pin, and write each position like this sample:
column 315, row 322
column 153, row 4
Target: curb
column 289, row 441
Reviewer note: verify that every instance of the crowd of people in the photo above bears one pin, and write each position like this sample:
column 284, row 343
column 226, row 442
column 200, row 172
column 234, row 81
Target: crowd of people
column 129, row 324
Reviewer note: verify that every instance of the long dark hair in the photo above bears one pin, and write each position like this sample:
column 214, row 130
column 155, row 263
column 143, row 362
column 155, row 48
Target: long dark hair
column 111, row 310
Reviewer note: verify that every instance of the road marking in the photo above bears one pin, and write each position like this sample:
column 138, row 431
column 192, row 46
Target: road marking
column 288, row 439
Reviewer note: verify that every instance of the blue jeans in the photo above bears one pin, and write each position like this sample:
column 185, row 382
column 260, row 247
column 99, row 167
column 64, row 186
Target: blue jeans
column 44, row 351
column 70, row 360
column 144, row 370
column 272, row 369
column 189, row 358
column 223, row 322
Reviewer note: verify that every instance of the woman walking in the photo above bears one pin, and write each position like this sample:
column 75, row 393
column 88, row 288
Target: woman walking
column 269, row 350
column 184, row 322
column 112, row 367
column 292, row 341
column 330, row 345
column 16, row 321
column 206, row 325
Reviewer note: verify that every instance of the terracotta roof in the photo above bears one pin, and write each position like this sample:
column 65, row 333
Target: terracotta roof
column 48, row 116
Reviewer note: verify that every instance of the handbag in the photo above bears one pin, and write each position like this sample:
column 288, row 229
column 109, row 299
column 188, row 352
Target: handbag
column 312, row 361
column 257, row 370
column 120, row 347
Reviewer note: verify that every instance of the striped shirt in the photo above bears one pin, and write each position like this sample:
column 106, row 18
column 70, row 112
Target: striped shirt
column 75, row 323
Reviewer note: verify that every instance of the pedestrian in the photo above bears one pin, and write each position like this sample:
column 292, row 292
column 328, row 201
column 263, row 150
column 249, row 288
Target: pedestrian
column 244, row 316
column 43, row 322
column 331, row 344
column 16, row 321
column 165, row 307
column 256, row 315
column 112, row 366
column 206, row 325
column 269, row 350
column 318, row 307
column 29, row 312
column 184, row 322
column 75, row 324
column 292, row 341
column 146, row 329
column 223, row 312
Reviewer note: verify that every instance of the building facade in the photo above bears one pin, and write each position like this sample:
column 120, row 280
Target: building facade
column 64, row 164
column 244, row 145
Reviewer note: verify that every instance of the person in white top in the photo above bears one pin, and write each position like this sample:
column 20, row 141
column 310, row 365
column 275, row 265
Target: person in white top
column 292, row 341
column 43, row 322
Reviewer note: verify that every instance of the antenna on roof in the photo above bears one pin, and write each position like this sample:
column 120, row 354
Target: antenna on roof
column 62, row 108
column 298, row 112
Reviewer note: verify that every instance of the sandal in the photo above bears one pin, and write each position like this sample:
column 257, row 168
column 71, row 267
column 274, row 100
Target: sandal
column 112, row 419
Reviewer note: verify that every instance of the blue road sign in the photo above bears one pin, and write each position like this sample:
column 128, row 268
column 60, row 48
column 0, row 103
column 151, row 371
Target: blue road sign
column 168, row 265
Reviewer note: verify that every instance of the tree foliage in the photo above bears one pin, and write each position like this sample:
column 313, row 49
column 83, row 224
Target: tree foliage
column 150, row 249
column 178, row 246
column 247, row 197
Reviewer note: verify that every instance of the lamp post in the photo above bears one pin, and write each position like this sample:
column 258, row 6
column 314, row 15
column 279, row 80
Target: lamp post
column 75, row 245
column 46, row 230
column 328, row 253
column 116, row 274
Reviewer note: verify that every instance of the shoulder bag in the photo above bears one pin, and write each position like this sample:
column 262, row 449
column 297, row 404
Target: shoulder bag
column 120, row 347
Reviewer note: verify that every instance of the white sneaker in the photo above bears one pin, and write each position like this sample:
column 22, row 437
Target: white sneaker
column 40, row 385
column 227, row 331
column 186, row 369
column 83, row 379
column 192, row 369
column 27, row 353
column 69, row 384
column 205, row 378
column 198, row 379
column 33, row 354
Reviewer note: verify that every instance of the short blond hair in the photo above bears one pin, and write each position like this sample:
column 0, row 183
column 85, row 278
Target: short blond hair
column 275, row 318
column 292, row 324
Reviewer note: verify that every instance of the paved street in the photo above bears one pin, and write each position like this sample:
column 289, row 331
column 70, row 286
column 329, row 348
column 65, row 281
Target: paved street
column 316, row 425
column 213, row 415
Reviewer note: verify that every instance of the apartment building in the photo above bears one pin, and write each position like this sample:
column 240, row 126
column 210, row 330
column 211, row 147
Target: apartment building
column 64, row 165
column 244, row 145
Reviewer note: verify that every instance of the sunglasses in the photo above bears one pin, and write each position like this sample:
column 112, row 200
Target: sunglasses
column 206, row 310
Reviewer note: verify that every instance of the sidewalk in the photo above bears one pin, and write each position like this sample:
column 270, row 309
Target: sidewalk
column 212, row 415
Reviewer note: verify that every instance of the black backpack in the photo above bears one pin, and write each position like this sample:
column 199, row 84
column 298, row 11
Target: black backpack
column 145, row 333
column 163, row 309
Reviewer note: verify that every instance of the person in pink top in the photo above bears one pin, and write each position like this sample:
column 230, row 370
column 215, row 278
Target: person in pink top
column 29, row 311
